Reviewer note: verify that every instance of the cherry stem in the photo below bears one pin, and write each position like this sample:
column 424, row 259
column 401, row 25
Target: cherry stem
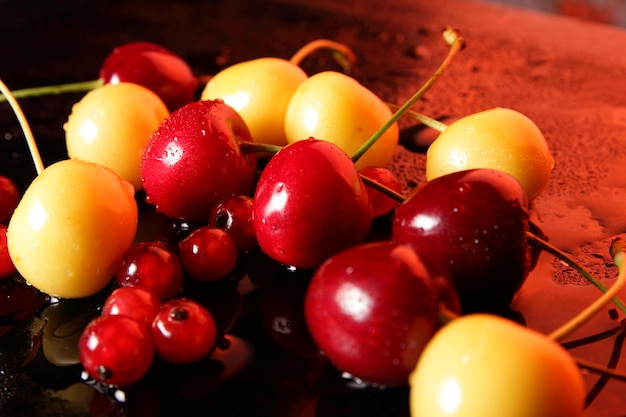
column 55, row 89
column 342, row 53
column 251, row 147
column 28, row 134
column 422, row 118
column 456, row 43
column 591, row 366
column 618, row 252
column 545, row 245
column 383, row 189
column 445, row 315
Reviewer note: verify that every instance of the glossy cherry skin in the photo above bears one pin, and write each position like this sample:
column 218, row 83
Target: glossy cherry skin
column 184, row 331
column 208, row 253
column 154, row 67
column 135, row 302
column 193, row 160
column 473, row 224
column 381, row 204
column 372, row 308
column 310, row 203
column 153, row 266
column 234, row 215
column 7, row 268
column 116, row 350
column 9, row 198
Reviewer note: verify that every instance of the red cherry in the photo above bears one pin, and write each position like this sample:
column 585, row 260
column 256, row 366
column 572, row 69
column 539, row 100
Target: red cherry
column 234, row 214
column 309, row 204
column 9, row 198
column 193, row 160
column 208, row 253
column 473, row 224
column 184, row 331
column 381, row 203
column 154, row 67
column 153, row 266
column 135, row 302
column 372, row 309
column 116, row 350
column 7, row 268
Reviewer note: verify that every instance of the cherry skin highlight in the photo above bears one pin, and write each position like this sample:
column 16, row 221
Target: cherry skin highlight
column 9, row 198
column 234, row 215
column 193, row 160
column 309, row 204
column 184, row 331
column 7, row 268
column 153, row 266
column 116, row 350
column 135, row 302
column 154, row 67
column 372, row 309
column 472, row 224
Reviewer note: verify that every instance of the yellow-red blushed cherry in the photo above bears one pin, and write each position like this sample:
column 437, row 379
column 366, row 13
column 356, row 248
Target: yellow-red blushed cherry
column 335, row 107
column 111, row 125
column 72, row 227
column 249, row 86
column 488, row 366
column 499, row 138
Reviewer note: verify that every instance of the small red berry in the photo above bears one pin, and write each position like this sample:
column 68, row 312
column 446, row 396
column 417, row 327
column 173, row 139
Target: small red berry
column 184, row 331
column 7, row 268
column 135, row 302
column 9, row 198
column 116, row 350
column 234, row 214
column 153, row 266
column 208, row 253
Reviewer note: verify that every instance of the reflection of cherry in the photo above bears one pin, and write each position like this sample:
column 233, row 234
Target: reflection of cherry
column 283, row 313
column 18, row 303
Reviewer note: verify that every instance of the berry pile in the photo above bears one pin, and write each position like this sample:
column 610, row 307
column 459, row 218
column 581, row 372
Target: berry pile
column 221, row 195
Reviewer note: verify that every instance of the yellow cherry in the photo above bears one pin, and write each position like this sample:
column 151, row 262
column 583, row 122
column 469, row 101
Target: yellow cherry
column 484, row 365
column 72, row 227
column 111, row 125
column 334, row 107
column 259, row 90
column 499, row 138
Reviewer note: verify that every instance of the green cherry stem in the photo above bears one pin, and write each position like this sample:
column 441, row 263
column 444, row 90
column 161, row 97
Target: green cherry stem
column 618, row 252
column 342, row 53
column 251, row 147
column 55, row 89
column 456, row 43
column 28, row 134
column 383, row 189
column 543, row 244
column 422, row 118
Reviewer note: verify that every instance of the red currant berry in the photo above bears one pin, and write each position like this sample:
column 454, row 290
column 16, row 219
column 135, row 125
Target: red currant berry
column 234, row 214
column 9, row 198
column 135, row 302
column 151, row 265
column 116, row 350
column 7, row 268
column 208, row 253
column 381, row 203
column 184, row 331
